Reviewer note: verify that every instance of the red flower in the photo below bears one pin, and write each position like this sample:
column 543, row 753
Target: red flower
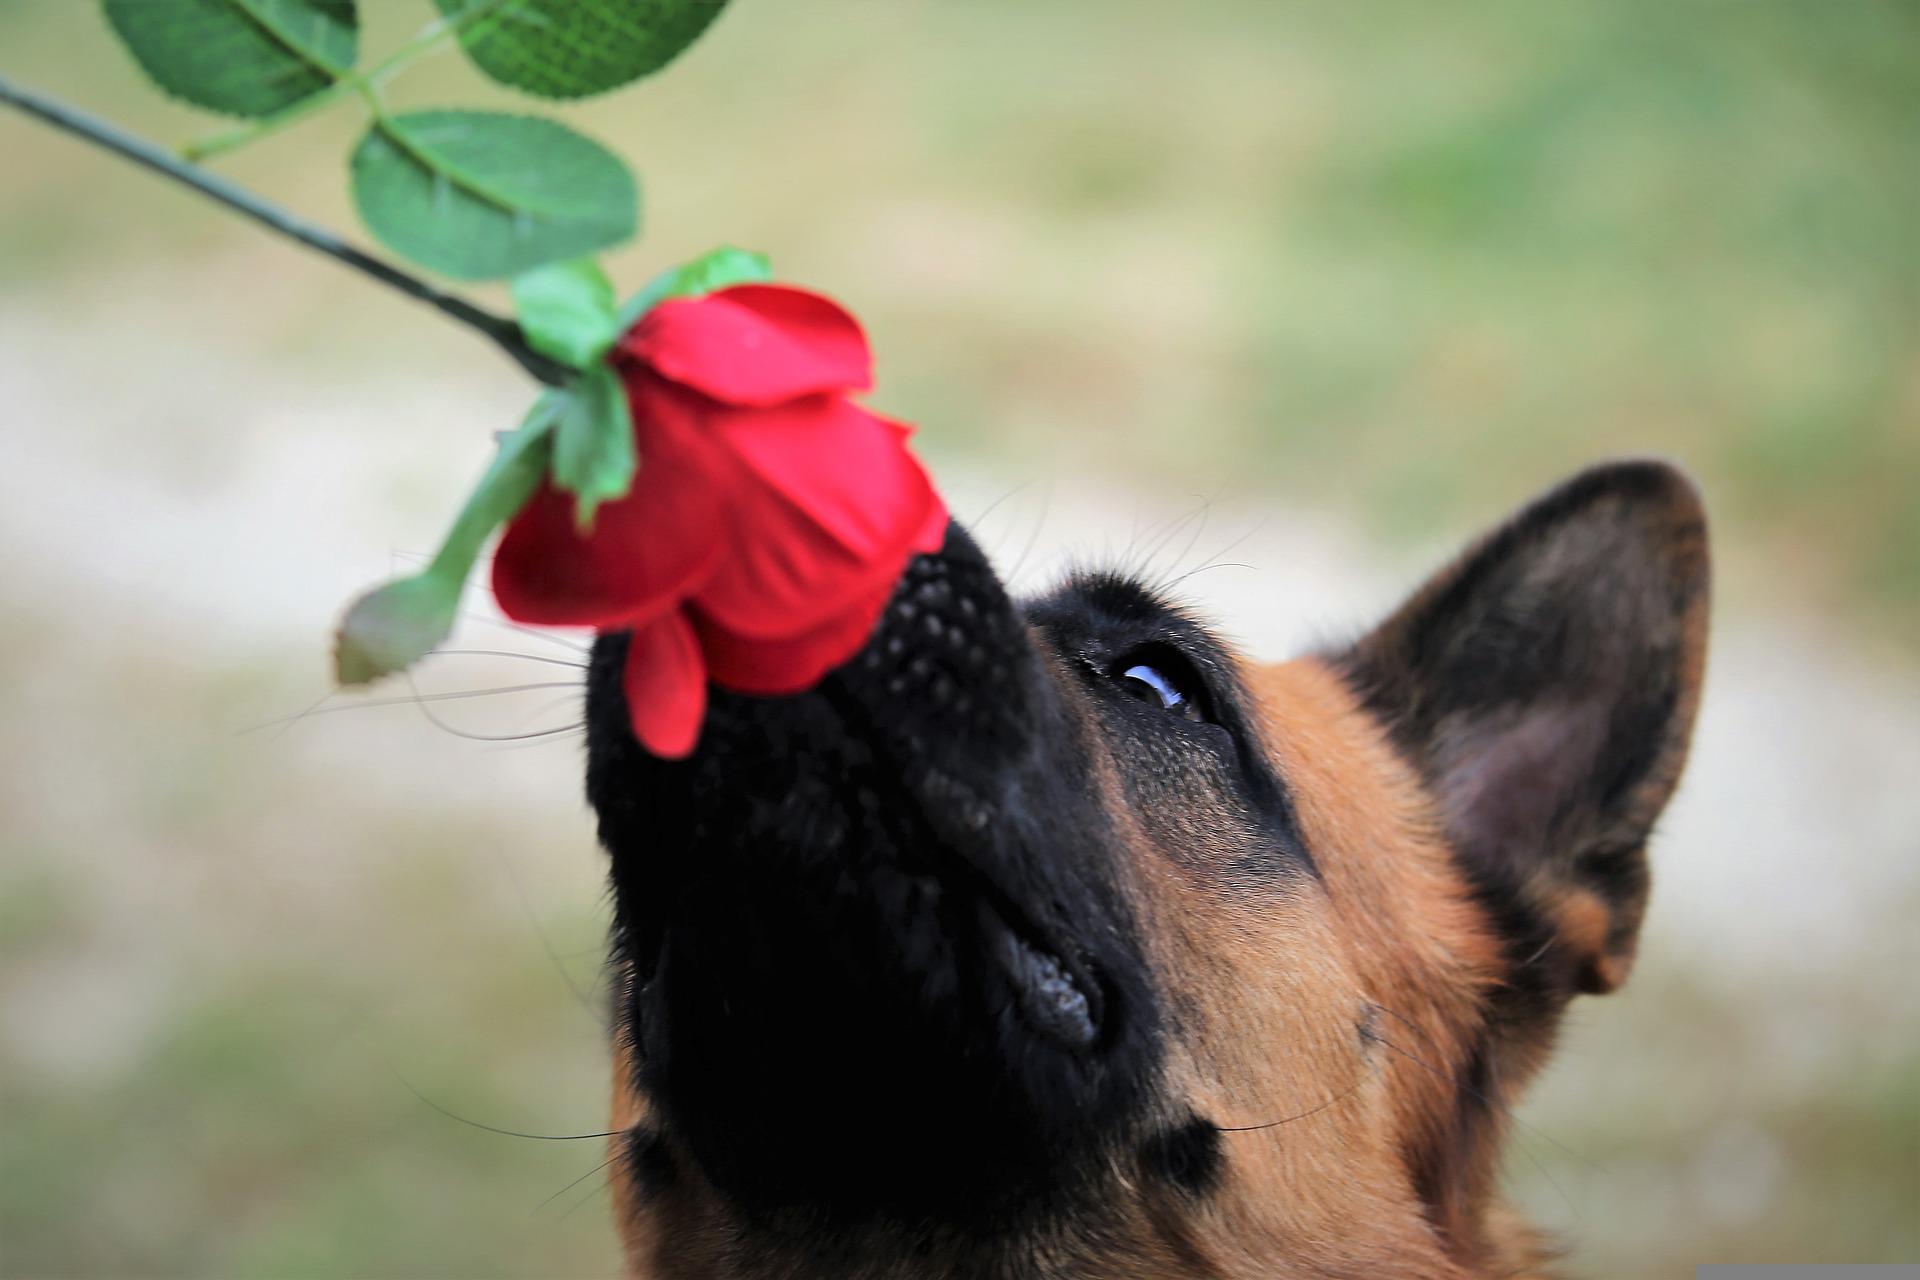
column 767, row 524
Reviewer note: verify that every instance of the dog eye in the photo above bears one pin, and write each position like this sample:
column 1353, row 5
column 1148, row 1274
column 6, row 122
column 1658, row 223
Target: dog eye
column 1165, row 685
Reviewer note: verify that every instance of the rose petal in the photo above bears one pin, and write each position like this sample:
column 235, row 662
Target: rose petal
column 665, row 682
column 844, row 468
column 754, row 344
column 829, row 505
column 778, row 668
column 647, row 551
column 932, row 535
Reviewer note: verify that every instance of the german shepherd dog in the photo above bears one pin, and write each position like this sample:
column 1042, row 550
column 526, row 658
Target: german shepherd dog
column 1051, row 939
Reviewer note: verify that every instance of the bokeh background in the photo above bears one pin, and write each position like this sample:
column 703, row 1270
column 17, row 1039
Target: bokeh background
column 1289, row 297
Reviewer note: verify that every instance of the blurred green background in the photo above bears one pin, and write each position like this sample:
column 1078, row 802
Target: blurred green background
column 1297, row 295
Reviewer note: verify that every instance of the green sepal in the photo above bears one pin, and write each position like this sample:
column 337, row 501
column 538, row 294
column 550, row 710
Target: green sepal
column 593, row 452
column 480, row 194
column 715, row 269
column 240, row 57
column 576, row 48
column 392, row 627
column 567, row 311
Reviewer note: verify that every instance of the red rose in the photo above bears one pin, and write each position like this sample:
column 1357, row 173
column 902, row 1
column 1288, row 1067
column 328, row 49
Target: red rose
column 767, row 525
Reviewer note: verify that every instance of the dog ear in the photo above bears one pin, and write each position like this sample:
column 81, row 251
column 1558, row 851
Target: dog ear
column 1545, row 685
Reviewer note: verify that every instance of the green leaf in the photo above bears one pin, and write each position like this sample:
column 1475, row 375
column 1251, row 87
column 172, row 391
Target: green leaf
column 566, row 309
column 394, row 626
column 576, row 48
column 593, row 454
column 715, row 269
column 478, row 194
column 240, row 57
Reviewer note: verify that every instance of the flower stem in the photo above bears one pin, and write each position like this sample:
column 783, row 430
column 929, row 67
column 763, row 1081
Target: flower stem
column 202, row 148
column 504, row 332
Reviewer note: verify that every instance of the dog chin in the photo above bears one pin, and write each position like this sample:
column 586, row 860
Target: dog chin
column 876, row 966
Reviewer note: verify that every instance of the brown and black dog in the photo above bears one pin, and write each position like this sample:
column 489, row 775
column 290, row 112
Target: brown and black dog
column 1050, row 939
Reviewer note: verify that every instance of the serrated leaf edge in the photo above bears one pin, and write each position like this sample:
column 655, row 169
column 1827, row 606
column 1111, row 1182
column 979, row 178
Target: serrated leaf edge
column 388, row 126
column 292, row 45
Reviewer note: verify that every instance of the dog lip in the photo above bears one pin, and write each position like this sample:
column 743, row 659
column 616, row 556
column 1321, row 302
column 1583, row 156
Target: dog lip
column 1052, row 981
column 1057, row 997
column 1053, row 1002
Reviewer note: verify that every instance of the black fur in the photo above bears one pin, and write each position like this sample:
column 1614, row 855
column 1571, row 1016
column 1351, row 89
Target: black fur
column 816, row 910
column 1187, row 1156
column 649, row 1164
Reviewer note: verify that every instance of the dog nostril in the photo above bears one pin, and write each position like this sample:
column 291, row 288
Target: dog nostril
column 948, row 636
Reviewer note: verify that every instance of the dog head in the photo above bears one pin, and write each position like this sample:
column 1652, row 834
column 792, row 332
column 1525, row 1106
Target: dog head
column 1052, row 938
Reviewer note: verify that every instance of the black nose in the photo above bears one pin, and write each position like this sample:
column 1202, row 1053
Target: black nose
column 947, row 684
column 949, row 670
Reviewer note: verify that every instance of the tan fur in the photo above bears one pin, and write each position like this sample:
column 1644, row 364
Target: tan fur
column 629, row 1111
column 1320, row 1003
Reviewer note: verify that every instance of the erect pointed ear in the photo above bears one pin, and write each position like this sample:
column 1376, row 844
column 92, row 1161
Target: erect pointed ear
column 1545, row 685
